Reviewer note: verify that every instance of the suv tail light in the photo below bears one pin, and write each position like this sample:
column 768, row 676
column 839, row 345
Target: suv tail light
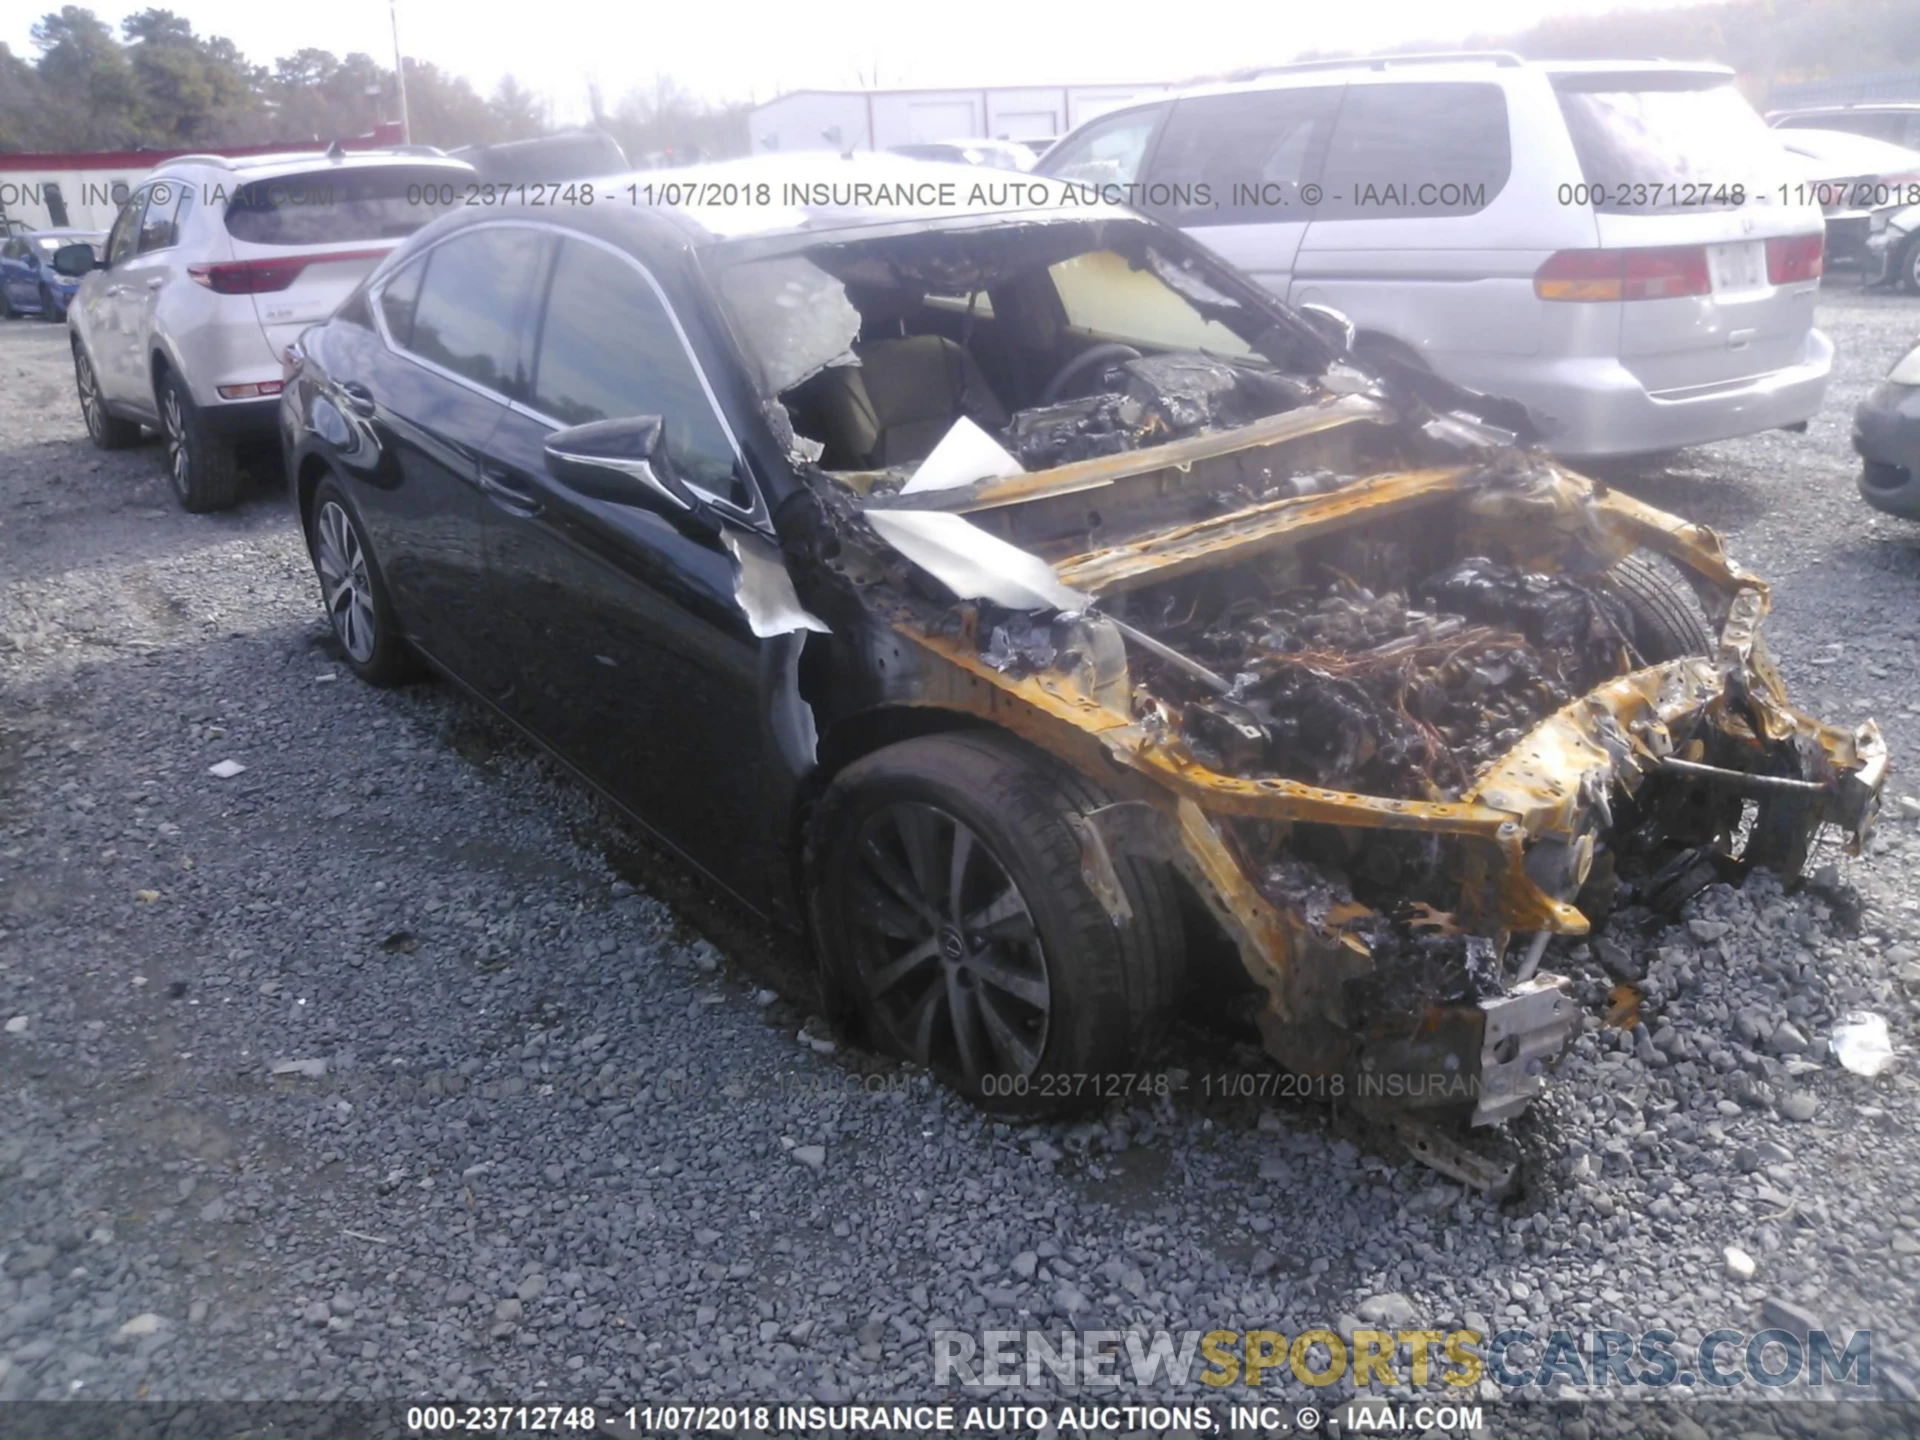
column 260, row 277
column 1650, row 273
column 1791, row 258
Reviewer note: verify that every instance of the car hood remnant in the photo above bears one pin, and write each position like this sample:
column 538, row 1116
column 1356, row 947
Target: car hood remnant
column 1400, row 706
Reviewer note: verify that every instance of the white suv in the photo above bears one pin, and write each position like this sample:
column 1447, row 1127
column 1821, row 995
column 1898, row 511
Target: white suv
column 213, row 266
column 1622, row 246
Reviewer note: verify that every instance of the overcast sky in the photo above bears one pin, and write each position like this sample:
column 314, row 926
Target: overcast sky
column 754, row 49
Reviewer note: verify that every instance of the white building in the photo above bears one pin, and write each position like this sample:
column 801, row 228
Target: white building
column 880, row 119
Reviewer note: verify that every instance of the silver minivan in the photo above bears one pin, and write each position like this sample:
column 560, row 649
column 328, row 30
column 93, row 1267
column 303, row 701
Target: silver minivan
column 1622, row 246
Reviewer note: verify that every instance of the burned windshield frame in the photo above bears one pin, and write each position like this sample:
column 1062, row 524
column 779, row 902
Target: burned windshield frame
column 968, row 258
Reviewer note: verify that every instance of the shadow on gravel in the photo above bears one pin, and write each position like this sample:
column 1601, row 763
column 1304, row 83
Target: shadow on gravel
column 1692, row 485
column 44, row 484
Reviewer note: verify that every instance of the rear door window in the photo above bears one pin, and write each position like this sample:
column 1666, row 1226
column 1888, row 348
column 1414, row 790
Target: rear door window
column 1241, row 159
column 126, row 228
column 473, row 305
column 158, row 227
column 1416, row 149
column 1650, row 143
column 1107, row 152
column 328, row 207
column 398, row 297
column 609, row 350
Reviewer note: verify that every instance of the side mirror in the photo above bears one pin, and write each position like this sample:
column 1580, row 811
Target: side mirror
column 1331, row 325
column 75, row 259
column 625, row 462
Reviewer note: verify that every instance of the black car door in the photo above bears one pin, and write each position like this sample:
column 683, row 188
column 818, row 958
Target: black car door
column 631, row 656
column 456, row 322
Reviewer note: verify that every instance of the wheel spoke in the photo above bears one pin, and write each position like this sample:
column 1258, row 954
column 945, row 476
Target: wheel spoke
column 964, row 1021
column 1014, row 1051
column 1003, row 919
column 997, row 972
column 957, row 870
column 914, row 824
column 886, row 870
column 919, row 1024
column 894, row 971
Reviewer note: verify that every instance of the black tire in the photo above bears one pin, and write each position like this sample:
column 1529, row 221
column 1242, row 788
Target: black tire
column 7, row 312
column 51, row 309
column 1057, row 995
column 354, row 592
column 201, row 464
column 107, row 431
column 1906, row 273
column 1668, row 620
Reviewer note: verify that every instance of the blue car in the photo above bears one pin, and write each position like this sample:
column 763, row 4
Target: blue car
column 29, row 285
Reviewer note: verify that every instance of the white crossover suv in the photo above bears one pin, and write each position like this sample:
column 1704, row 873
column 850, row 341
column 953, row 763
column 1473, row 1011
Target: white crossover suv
column 211, row 269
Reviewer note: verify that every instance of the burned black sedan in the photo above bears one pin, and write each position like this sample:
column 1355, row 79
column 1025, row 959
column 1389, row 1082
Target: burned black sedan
column 1024, row 603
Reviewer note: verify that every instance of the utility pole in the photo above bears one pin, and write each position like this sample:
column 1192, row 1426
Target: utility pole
column 400, row 72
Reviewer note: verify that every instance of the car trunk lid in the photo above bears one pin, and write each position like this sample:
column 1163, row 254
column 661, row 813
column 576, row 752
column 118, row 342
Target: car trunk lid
column 1686, row 179
column 302, row 242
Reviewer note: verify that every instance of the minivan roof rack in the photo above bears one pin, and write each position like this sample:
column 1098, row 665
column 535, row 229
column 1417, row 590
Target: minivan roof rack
column 223, row 161
column 1380, row 62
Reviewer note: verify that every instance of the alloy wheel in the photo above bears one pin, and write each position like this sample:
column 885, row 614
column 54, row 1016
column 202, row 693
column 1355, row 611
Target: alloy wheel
column 945, row 946
column 173, row 423
column 89, row 389
column 344, row 582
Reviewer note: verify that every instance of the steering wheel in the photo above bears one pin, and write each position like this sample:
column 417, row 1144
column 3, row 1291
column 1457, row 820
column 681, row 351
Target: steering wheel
column 1098, row 354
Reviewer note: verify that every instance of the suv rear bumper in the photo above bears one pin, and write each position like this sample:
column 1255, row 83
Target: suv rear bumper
column 1600, row 408
column 244, row 419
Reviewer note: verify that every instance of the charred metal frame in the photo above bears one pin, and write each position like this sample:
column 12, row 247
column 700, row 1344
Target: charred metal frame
column 1521, row 824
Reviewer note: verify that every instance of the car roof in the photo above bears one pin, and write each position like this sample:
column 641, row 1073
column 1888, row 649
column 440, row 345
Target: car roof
column 270, row 167
column 1847, row 107
column 722, row 201
column 1443, row 65
column 1843, row 147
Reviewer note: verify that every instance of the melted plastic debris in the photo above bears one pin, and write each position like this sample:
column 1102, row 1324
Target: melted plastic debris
column 1022, row 645
column 1151, row 400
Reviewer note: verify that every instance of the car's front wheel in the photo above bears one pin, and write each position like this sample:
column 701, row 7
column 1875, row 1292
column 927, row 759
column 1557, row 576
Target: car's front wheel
column 354, row 592
column 200, row 463
column 107, row 430
column 957, row 917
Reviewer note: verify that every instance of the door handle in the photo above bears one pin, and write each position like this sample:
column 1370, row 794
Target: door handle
column 497, row 485
column 359, row 398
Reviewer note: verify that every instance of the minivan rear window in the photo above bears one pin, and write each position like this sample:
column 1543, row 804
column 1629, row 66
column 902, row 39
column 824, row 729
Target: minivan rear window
column 1679, row 144
column 325, row 207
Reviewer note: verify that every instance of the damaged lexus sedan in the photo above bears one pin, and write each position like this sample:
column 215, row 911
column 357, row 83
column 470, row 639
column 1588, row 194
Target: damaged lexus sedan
column 1038, row 612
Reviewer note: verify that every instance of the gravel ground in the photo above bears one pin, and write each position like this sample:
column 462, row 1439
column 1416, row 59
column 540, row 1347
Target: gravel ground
column 387, row 1069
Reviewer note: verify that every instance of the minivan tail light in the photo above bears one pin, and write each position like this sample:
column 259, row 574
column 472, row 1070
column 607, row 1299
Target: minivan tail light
column 261, row 277
column 1792, row 258
column 1661, row 272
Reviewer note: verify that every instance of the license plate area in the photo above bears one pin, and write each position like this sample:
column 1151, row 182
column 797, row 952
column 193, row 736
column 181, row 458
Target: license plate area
column 1739, row 268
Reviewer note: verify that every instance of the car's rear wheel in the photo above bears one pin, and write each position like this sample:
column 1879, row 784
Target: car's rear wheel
column 1907, row 268
column 956, row 915
column 354, row 592
column 200, row 464
column 50, row 308
column 107, row 431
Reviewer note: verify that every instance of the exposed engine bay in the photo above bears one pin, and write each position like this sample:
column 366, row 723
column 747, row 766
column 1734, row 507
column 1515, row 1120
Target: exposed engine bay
column 1398, row 697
